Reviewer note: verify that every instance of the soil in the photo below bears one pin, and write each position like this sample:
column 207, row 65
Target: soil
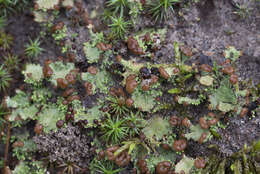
column 211, row 26
column 207, row 28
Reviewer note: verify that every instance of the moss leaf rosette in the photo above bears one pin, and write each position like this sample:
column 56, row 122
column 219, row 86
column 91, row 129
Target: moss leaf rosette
column 92, row 53
column 90, row 115
column 206, row 80
column 60, row 70
column 33, row 73
column 20, row 105
column 156, row 128
column 48, row 118
column 196, row 132
column 47, row 4
column 185, row 165
column 99, row 81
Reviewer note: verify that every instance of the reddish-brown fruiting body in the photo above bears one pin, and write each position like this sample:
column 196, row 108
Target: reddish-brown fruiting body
column 164, row 73
column 228, row 70
column 68, row 92
column 174, row 120
column 85, row 17
column 18, row 144
column 65, row 102
column 206, row 68
column 166, row 146
column 102, row 46
column 62, row 83
column 60, row 123
column 36, row 6
column 147, row 37
column 154, row 79
column 123, row 159
column 110, row 152
column 212, row 122
column 187, row 51
column 133, row 46
column 73, row 97
column 202, row 137
column 57, row 7
column 71, row 78
column 200, row 163
column 142, row 165
column 129, row 102
column 145, row 87
column 176, row 98
column 71, row 57
column 243, row 112
column 203, row 123
column 89, row 88
column 179, row 145
column 233, row 79
column 113, row 91
column 38, row 129
column 143, row 2
column 186, row 122
column 176, row 70
column 211, row 114
column 47, row 71
column 131, row 83
column 163, row 167
column 58, row 26
column 101, row 154
column 118, row 58
column 47, row 62
column 227, row 61
column 92, row 70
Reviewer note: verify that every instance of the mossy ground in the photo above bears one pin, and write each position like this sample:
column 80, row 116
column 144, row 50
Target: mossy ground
column 203, row 28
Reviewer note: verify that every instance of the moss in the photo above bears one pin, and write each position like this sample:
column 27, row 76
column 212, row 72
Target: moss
column 21, row 106
column 6, row 40
column 92, row 53
column 196, row 133
column 100, row 81
column 5, row 79
column 145, row 101
column 33, row 74
column 162, row 155
column 155, row 129
column 185, row 165
column 60, row 70
column 142, row 120
column 67, row 145
column 47, row 4
column 90, row 115
column 48, row 118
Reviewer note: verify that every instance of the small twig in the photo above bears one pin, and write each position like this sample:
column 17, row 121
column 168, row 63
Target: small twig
column 7, row 144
